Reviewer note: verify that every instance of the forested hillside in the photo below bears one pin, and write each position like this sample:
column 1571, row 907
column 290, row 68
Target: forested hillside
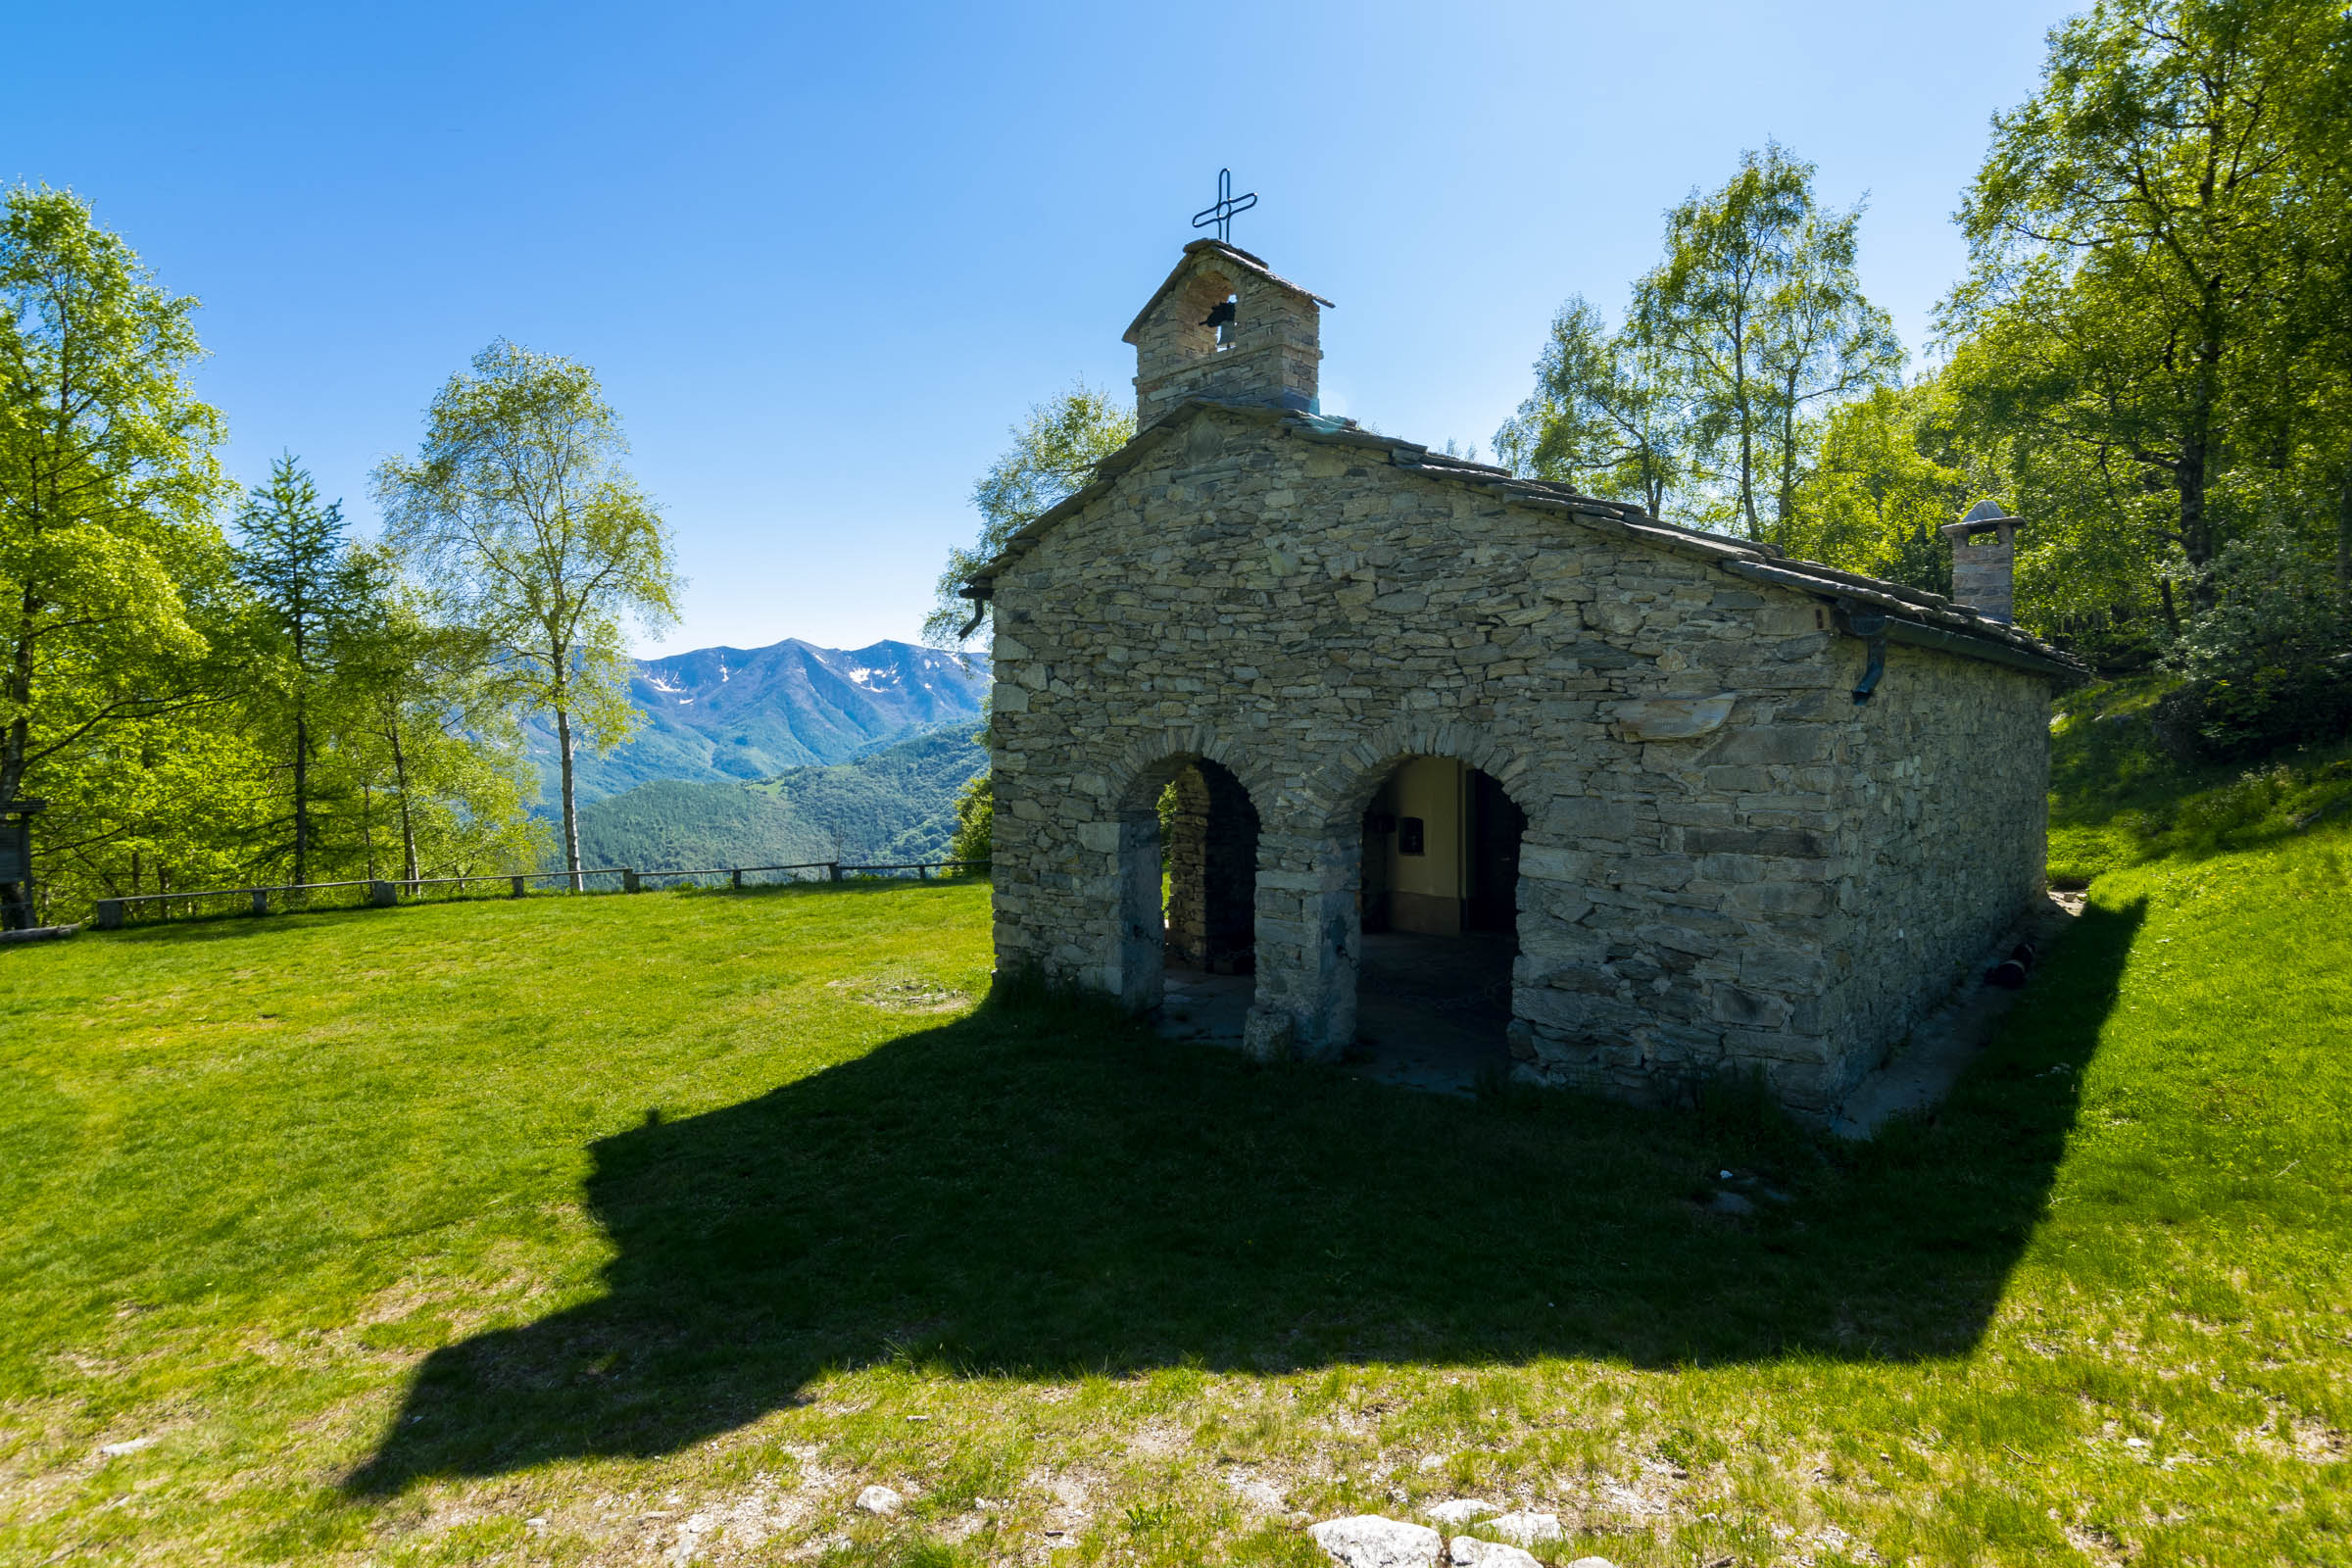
column 897, row 803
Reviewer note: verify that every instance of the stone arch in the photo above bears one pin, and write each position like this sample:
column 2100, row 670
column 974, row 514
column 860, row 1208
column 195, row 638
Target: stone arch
column 1154, row 757
column 1344, row 786
column 1219, row 901
column 1325, row 821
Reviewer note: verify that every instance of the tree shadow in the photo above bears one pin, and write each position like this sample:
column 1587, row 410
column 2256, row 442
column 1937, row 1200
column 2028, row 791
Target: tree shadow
column 1042, row 1190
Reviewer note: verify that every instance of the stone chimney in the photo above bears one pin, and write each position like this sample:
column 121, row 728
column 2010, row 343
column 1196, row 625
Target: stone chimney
column 1985, row 561
column 1223, row 326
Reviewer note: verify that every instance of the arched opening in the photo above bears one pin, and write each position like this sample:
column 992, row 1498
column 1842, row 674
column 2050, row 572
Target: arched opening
column 1438, row 907
column 1191, row 874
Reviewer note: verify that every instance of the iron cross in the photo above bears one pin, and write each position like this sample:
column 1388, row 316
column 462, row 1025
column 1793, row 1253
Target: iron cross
column 1227, row 205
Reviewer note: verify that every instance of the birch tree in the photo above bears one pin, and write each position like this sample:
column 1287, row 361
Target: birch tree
column 518, row 507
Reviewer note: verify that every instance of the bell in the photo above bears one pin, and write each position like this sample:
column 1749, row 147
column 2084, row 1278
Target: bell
column 1221, row 317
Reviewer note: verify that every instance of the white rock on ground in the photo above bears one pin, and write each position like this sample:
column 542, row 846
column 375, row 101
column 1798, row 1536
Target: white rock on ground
column 1460, row 1510
column 1369, row 1540
column 879, row 1500
column 1527, row 1528
column 1591, row 1562
column 1264, row 1496
column 1471, row 1553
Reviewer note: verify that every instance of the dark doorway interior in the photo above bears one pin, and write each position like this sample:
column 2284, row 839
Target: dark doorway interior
column 1208, row 849
column 1440, row 907
column 1209, row 838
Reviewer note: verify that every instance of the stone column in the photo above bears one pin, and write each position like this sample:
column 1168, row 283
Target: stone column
column 1307, row 948
column 1137, row 976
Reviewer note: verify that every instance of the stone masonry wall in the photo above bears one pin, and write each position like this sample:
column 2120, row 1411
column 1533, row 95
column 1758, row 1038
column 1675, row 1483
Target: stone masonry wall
column 1947, row 825
column 1296, row 606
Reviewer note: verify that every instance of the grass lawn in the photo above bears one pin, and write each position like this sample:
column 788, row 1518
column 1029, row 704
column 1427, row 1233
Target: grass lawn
column 653, row 1229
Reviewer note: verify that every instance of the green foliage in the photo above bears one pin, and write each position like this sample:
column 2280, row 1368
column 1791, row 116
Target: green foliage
column 520, row 508
column 2126, row 793
column 296, row 563
column 899, row 803
column 2269, row 663
column 113, row 574
column 975, row 820
column 1604, row 417
column 1053, row 453
column 1877, row 492
column 2139, row 290
column 1757, row 320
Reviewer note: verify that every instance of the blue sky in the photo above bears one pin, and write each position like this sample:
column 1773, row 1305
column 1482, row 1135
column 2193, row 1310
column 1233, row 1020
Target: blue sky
column 823, row 257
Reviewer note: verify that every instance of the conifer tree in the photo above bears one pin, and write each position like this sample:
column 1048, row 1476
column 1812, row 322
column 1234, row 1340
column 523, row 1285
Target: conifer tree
column 296, row 563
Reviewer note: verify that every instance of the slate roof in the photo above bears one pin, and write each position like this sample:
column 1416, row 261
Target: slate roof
column 1932, row 619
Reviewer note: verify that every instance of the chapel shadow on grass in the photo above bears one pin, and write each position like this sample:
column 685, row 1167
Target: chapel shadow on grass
column 1041, row 1190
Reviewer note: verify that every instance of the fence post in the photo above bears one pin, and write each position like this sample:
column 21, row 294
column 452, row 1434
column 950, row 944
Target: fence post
column 628, row 879
column 833, row 869
column 260, row 900
column 384, row 895
column 110, row 914
column 515, row 883
column 736, row 876
column 922, row 874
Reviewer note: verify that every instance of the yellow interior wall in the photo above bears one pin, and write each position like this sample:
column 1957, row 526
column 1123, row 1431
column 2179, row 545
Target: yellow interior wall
column 1432, row 789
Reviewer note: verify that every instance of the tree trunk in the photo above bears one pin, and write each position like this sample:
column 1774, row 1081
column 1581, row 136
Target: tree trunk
column 2343, row 539
column 1747, row 430
column 408, row 825
column 302, row 795
column 16, row 907
column 2196, row 452
column 571, row 815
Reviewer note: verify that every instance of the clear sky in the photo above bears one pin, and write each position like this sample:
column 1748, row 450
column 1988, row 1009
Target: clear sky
column 822, row 257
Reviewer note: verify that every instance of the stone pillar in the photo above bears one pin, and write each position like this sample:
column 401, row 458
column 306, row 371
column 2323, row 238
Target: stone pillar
column 384, row 895
column 260, row 900
column 110, row 914
column 1307, row 948
column 1985, row 561
column 1137, row 978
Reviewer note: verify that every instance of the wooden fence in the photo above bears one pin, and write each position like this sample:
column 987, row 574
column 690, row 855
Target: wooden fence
column 114, row 913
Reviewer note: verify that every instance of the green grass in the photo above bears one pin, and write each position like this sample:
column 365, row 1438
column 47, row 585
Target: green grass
column 2121, row 801
column 652, row 1229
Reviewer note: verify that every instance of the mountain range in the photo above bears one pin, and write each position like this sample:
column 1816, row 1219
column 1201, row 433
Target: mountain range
column 734, row 715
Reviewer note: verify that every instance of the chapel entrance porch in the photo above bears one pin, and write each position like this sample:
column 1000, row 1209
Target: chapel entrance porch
column 1424, row 979
column 1438, row 906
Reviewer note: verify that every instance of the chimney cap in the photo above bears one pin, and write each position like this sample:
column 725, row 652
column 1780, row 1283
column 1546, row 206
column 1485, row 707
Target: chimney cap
column 1986, row 517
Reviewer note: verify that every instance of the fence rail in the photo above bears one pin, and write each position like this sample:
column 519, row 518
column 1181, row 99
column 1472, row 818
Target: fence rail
column 114, row 913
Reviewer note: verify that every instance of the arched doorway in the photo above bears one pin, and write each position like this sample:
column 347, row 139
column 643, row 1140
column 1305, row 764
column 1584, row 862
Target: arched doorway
column 1438, row 907
column 1190, row 871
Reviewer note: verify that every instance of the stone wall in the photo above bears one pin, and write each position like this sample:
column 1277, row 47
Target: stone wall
column 1945, row 830
column 1297, row 606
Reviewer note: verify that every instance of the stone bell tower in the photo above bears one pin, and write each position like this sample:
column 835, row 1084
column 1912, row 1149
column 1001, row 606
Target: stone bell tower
column 1985, row 561
column 1223, row 326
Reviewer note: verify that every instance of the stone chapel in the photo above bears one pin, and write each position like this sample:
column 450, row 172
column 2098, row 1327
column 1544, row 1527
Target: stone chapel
column 1724, row 811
